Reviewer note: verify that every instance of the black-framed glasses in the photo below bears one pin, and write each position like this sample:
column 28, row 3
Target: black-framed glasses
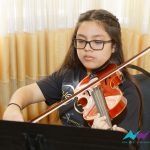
column 94, row 44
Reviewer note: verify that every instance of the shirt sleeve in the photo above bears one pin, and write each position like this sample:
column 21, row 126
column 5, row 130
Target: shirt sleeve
column 51, row 88
column 129, row 118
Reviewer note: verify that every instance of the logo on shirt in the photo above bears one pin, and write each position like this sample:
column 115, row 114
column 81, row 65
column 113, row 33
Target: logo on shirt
column 67, row 91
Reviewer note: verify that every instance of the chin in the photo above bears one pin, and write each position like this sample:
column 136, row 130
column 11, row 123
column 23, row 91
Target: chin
column 90, row 67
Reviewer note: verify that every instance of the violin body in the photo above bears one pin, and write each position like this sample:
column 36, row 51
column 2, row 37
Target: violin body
column 114, row 99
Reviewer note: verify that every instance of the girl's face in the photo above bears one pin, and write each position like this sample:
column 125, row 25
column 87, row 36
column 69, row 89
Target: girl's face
column 89, row 31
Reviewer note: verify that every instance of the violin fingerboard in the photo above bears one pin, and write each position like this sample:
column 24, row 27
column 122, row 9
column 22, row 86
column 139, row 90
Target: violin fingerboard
column 100, row 103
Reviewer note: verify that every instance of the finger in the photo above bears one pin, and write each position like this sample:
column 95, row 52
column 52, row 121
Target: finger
column 116, row 128
column 106, row 126
column 98, row 118
column 100, row 123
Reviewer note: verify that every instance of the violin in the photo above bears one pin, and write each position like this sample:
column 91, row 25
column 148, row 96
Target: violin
column 104, row 98
column 91, row 84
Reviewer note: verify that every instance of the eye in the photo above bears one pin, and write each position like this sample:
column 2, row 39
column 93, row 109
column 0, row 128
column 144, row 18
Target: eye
column 97, row 42
column 80, row 41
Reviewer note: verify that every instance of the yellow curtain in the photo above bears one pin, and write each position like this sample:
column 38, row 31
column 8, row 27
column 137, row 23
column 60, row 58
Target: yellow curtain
column 33, row 44
column 27, row 57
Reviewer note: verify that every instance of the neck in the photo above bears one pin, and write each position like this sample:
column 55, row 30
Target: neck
column 101, row 67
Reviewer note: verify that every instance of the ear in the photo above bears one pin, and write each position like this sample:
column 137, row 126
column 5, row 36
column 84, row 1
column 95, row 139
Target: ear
column 113, row 48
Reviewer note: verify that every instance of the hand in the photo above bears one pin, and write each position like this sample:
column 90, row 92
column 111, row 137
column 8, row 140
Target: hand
column 13, row 113
column 100, row 123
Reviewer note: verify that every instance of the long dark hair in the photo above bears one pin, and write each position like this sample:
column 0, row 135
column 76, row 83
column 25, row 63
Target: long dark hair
column 112, row 27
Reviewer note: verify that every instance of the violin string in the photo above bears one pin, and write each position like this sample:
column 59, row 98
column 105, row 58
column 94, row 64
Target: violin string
column 101, row 104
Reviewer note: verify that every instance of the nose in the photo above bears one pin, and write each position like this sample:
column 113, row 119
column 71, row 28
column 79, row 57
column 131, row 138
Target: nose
column 88, row 47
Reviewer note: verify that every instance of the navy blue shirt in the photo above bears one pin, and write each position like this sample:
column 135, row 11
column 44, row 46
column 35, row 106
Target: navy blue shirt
column 57, row 87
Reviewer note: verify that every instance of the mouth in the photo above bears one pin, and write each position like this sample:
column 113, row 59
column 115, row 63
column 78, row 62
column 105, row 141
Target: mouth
column 88, row 58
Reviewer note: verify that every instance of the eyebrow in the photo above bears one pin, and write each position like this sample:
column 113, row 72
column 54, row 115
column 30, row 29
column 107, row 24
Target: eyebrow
column 97, row 35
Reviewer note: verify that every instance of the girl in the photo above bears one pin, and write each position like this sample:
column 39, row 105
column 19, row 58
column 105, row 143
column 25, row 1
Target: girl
column 96, row 43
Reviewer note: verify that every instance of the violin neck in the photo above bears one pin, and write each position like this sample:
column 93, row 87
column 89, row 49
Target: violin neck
column 100, row 103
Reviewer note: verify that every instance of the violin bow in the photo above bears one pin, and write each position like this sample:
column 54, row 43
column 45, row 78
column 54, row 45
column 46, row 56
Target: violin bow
column 65, row 101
